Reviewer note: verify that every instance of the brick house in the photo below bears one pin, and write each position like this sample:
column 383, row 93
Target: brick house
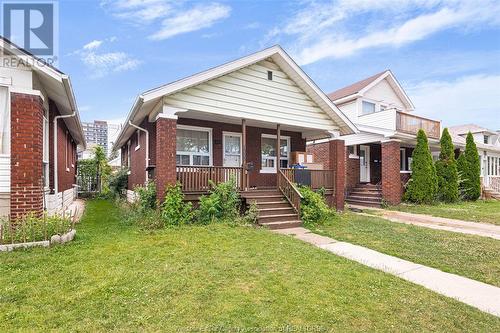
column 378, row 158
column 39, row 133
column 230, row 121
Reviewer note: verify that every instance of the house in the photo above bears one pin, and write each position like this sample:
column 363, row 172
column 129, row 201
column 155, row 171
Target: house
column 378, row 158
column 488, row 146
column 40, row 131
column 230, row 121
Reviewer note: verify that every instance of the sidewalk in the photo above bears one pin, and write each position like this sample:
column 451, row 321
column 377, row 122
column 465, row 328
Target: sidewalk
column 480, row 295
column 441, row 223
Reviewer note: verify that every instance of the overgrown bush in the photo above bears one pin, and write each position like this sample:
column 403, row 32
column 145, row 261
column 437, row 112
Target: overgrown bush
column 446, row 170
column 174, row 211
column 469, row 167
column 422, row 187
column 32, row 228
column 222, row 203
column 117, row 182
column 313, row 208
column 146, row 196
column 252, row 214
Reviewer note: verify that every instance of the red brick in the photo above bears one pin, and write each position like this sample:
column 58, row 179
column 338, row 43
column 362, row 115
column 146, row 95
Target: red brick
column 391, row 181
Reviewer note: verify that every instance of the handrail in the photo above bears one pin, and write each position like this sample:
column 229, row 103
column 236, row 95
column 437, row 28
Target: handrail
column 198, row 178
column 324, row 178
column 290, row 191
column 410, row 123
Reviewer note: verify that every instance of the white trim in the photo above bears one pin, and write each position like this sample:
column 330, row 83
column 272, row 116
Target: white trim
column 367, row 161
column 355, row 154
column 276, row 162
column 210, row 145
column 399, row 90
column 405, row 161
column 224, row 134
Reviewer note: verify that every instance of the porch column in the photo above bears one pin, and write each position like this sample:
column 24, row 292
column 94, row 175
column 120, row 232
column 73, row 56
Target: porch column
column 244, row 154
column 166, row 137
column 391, row 181
column 337, row 163
column 278, row 155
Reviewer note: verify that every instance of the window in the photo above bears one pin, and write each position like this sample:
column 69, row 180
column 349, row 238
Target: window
column 368, row 107
column 138, row 144
column 268, row 153
column 128, row 154
column 194, row 146
column 486, row 139
column 45, row 154
column 353, row 151
column 66, row 151
column 4, row 121
column 403, row 166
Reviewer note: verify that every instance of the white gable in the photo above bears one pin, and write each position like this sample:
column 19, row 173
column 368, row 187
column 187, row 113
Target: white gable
column 384, row 93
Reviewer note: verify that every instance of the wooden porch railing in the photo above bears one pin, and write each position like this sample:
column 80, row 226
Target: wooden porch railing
column 409, row 123
column 196, row 178
column 319, row 178
column 289, row 190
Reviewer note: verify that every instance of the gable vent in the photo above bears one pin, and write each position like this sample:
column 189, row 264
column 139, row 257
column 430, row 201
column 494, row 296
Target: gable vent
column 270, row 75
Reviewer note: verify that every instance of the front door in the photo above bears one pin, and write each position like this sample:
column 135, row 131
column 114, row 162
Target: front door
column 364, row 164
column 232, row 149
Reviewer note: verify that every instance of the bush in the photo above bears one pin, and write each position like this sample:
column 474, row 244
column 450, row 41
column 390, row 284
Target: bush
column 31, row 228
column 446, row 170
column 223, row 203
column 174, row 211
column 252, row 214
column 469, row 168
column 117, row 182
column 146, row 196
column 313, row 208
column 422, row 186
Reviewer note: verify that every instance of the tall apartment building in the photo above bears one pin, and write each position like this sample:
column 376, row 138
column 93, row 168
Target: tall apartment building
column 96, row 133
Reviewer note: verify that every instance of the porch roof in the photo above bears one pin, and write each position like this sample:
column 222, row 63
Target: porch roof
column 149, row 101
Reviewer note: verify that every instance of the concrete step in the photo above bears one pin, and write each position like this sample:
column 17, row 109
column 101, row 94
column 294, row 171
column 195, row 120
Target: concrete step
column 269, row 198
column 282, row 224
column 364, row 198
column 276, row 211
column 366, row 194
column 364, row 203
column 278, row 218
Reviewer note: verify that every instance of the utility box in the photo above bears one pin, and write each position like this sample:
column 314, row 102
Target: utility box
column 303, row 177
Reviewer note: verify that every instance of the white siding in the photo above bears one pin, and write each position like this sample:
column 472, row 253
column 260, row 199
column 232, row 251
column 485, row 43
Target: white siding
column 247, row 93
column 58, row 203
column 4, row 174
column 350, row 110
column 4, row 204
column 383, row 119
column 383, row 92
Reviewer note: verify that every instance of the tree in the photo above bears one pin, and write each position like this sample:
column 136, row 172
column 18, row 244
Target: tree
column 103, row 170
column 469, row 168
column 446, row 170
column 422, row 187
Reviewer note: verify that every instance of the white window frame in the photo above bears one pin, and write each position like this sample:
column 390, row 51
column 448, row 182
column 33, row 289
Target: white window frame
column 138, row 145
column 355, row 153
column 371, row 102
column 288, row 143
column 66, row 151
column 10, row 119
column 210, row 146
column 224, row 145
column 129, row 160
column 45, row 149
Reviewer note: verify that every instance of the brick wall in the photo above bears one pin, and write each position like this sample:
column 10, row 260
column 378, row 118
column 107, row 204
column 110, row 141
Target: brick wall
column 338, row 161
column 26, row 155
column 137, row 175
column 352, row 172
column 321, row 153
column 391, row 182
column 165, row 173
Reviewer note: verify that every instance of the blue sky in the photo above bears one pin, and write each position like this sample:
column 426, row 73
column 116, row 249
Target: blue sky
column 446, row 54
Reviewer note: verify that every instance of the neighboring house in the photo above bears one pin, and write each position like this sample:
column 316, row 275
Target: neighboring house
column 379, row 157
column 488, row 147
column 227, row 121
column 40, row 131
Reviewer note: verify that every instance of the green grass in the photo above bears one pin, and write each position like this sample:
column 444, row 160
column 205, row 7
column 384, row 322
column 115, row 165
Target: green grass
column 487, row 211
column 114, row 277
column 471, row 256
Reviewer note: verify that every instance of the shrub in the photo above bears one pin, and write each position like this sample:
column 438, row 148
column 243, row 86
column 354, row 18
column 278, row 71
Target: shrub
column 252, row 214
column 446, row 170
column 174, row 211
column 31, row 228
column 117, row 182
column 223, row 203
column 469, row 168
column 422, row 186
column 146, row 196
column 313, row 208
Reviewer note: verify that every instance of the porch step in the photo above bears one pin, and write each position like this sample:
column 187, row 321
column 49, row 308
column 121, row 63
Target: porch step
column 276, row 211
column 365, row 198
column 277, row 218
column 372, row 194
column 273, row 204
column 282, row 224
column 368, row 195
column 364, row 203
column 260, row 193
column 262, row 199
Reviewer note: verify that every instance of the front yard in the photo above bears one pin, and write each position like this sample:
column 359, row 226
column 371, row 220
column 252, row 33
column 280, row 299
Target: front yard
column 116, row 277
column 474, row 257
column 475, row 211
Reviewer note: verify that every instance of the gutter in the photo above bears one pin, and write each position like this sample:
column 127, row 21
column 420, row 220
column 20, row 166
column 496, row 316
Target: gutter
column 147, row 145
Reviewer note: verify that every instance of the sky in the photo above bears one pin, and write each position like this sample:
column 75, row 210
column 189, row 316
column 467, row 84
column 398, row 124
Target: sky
column 446, row 54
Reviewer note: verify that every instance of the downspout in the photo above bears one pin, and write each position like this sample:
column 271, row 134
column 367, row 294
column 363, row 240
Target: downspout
column 147, row 145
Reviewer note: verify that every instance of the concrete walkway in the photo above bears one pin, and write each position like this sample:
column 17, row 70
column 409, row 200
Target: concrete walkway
column 480, row 295
column 440, row 223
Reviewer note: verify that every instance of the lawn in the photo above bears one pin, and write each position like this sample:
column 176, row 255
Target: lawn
column 487, row 211
column 219, row 278
column 471, row 256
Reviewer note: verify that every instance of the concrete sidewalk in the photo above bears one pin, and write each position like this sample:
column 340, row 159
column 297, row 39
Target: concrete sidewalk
column 441, row 223
column 480, row 295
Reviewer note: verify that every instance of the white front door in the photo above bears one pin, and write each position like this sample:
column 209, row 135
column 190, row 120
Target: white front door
column 231, row 143
column 364, row 164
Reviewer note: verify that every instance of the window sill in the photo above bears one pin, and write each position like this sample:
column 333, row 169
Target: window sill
column 267, row 171
column 354, row 156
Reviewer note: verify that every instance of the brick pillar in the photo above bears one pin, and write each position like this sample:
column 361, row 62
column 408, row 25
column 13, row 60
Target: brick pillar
column 391, row 182
column 337, row 162
column 165, row 173
column 26, row 190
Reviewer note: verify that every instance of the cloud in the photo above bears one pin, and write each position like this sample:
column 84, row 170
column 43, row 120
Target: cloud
column 342, row 28
column 100, row 63
column 169, row 18
column 467, row 99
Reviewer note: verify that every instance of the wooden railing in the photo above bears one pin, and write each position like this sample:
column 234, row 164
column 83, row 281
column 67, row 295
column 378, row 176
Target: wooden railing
column 409, row 123
column 289, row 190
column 196, row 178
column 494, row 183
column 319, row 178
